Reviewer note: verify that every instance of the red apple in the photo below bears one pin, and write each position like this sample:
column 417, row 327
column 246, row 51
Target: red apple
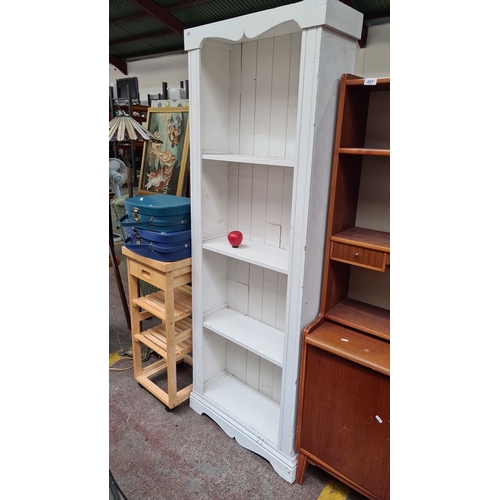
column 235, row 238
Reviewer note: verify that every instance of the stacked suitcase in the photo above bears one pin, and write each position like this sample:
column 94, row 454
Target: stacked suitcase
column 158, row 226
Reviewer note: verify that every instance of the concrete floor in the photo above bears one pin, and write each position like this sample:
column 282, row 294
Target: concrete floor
column 156, row 454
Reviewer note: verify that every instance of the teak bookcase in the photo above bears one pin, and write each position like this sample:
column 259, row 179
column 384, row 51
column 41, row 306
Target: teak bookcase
column 343, row 418
column 262, row 115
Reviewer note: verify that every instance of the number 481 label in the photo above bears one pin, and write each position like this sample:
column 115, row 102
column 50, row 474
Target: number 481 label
column 370, row 81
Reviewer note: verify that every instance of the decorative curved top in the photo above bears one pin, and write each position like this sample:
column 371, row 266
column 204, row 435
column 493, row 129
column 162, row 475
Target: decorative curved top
column 279, row 21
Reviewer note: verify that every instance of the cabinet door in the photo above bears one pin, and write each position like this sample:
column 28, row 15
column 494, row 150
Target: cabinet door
column 346, row 420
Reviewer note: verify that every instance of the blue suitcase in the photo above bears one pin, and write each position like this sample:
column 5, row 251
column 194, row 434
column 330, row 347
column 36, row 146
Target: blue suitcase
column 164, row 246
column 158, row 212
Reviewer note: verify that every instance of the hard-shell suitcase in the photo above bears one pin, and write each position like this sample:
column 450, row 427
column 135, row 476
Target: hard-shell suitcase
column 163, row 246
column 158, row 212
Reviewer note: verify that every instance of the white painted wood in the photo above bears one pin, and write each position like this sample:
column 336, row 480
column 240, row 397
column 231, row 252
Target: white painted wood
column 203, row 366
column 258, row 412
column 214, row 356
column 274, row 207
column 263, row 96
column 217, row 206
column 247, row 97
column 214, row 281
column 281, row 302
column 278, row 72
column 255, row 292
column 252, row 375
column 260, row 160
column 247, row 332
column 279, row 95
column 280, row 21
column 293, row 95
column 240, row 361
column 282, row 464
column 325, row 56
column 252, row 252
column 213, row 94
column 286, row 215
column 230, row 286
column 234, row 101
column 244, row 197
column 269, row 297
column 259, row 195
column 232, row 201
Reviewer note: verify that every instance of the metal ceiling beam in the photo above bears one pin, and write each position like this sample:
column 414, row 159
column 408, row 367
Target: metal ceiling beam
column 127, row 19
column 160, row 15
column 118, row 64
column 137, row 38
column 182, row 4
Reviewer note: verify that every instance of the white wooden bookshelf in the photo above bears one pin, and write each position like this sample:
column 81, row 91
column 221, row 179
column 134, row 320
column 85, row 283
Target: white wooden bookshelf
column 263, row 103
column 252, row 252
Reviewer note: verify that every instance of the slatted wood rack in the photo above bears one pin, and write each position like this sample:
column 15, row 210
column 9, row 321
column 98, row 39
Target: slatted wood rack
column 172, row 305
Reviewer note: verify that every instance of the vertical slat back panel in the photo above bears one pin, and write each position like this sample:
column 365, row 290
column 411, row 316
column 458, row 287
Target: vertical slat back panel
column 276, row 394
column 287, row 208
column 213, row 95
column 245, row 199
column 242, row 297
column 240, row 359
column 214, row 352
column 281, row 302
column 263, row 96
column 215, row 200
column 248, row 78
column 269, row 297
column 259, row 196
column 230, row 357
column 231, row 284
column 273, row 235
column 252, row 370
column 234, row 98
column 214, row 279
column 266, row 378
column 242, row 272
column 279, row 95
column 275, row 195
column 232, row 204
column 257, row 372
column 255, row 292
column 293, row 95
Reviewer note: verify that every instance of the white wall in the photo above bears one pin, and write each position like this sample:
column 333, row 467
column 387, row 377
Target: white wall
column 152, row 72
column 372, row 61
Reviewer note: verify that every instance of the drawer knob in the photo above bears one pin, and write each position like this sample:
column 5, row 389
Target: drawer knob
column 356, row 254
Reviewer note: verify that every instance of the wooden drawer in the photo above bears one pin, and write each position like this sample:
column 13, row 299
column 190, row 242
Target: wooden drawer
column 359, row 256
column 147, row 274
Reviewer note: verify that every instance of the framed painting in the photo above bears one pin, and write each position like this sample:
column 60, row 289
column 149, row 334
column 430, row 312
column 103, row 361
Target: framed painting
column 164, row 166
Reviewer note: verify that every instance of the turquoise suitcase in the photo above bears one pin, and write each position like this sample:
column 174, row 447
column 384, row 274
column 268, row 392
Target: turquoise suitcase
column 158, row 212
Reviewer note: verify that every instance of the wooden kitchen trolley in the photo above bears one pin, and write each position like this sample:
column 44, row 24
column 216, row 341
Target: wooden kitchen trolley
column 343, row 422
column 170, row 302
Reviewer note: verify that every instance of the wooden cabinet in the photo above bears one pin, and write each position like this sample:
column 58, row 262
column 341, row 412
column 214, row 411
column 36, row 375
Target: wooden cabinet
column 262, row 114
column 343, row 419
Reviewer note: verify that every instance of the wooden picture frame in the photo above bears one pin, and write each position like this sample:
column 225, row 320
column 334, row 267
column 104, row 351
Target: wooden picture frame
column 164, row 166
